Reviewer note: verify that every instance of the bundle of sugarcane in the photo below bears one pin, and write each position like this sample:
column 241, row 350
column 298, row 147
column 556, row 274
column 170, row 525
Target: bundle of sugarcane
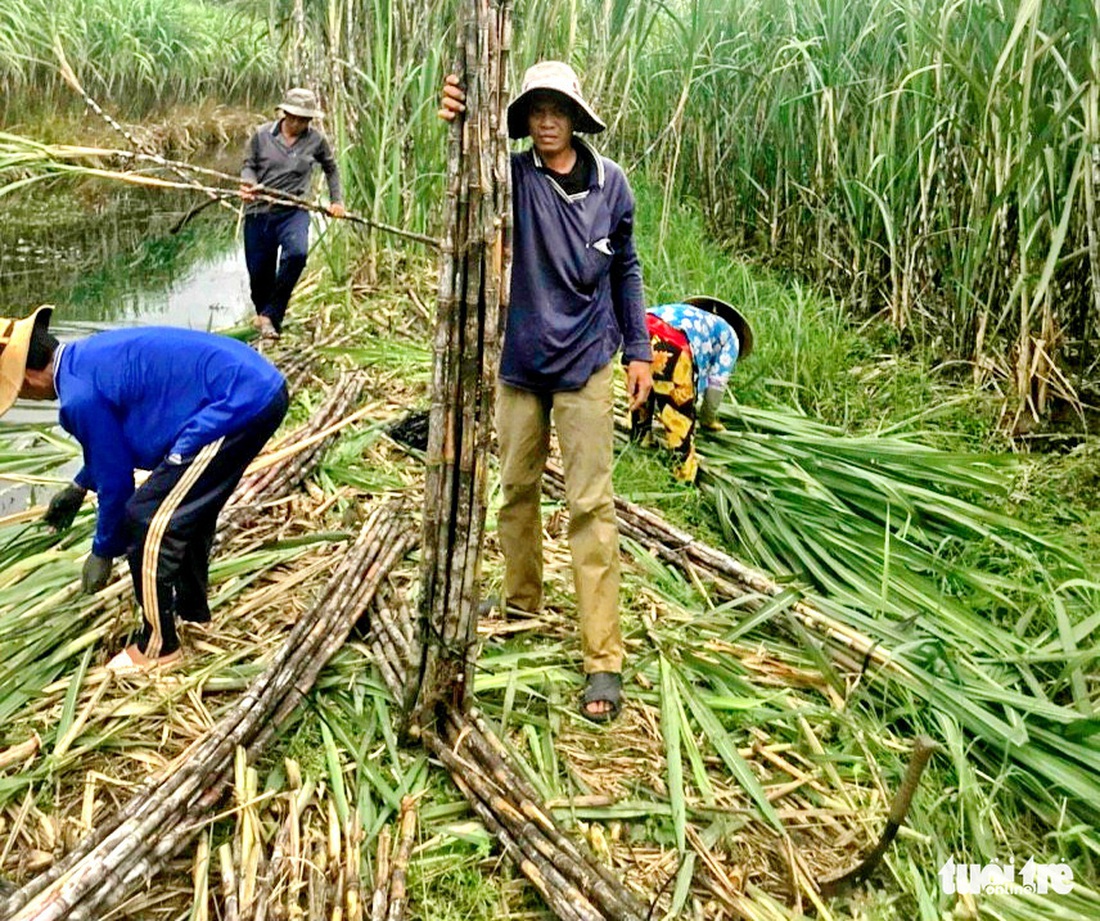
column 299, row 364
column 395, row 643
column 390, row 893
column 308, row 868
column 288, row 462
column 575, row 885
column 168, row 810
column 473, row 290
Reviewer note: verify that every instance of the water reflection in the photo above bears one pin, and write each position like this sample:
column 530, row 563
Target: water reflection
column 105, row 254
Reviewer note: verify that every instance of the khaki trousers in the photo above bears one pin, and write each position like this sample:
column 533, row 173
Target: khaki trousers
column 585, row 421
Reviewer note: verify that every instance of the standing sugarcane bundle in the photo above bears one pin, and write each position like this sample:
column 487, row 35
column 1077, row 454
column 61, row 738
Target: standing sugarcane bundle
column 574, row 884
column 168, row 810
column 472, row 294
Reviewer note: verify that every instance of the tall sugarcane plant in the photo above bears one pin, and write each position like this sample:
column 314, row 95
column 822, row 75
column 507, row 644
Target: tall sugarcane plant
column 473, row 292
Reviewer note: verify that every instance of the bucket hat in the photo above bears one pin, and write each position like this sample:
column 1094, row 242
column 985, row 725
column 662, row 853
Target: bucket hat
column 556, row 77
column 730, row 314
column 15, row 341
column 302, row 102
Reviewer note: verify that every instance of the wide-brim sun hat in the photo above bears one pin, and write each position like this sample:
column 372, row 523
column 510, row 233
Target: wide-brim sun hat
column 301, row 102
column 731, row 315
column 555, row 77
column 15, row 342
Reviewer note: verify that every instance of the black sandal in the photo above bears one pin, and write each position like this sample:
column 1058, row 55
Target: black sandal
column 602, row 686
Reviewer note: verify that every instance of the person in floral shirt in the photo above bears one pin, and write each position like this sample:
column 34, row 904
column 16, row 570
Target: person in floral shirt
column 696, row 345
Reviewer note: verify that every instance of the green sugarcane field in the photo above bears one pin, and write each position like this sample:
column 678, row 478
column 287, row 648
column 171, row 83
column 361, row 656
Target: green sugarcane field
column 505, row 599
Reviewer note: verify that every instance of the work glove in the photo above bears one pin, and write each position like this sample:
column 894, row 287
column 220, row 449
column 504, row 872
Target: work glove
column 708, row 412
column 97, row 573
column 64, row 506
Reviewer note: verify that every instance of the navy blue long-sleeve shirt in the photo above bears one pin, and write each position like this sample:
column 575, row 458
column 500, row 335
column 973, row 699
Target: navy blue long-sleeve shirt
column 135, row 397
column 576, row 293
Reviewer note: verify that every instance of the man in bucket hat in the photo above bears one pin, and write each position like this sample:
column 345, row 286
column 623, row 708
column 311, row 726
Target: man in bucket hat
column 576, row 299
column 281, row 156
column 696, row 344
column 193, row 408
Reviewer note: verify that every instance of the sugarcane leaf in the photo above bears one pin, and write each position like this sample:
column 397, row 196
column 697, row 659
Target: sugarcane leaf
column 723, row 744
column 671, row 732
column 335, row 773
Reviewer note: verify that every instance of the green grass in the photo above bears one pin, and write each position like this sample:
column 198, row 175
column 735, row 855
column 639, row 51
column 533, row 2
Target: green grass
column 134, row 56
column 808, row 354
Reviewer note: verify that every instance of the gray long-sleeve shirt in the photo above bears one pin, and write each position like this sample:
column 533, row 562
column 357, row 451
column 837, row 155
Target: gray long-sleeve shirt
column 272, row 163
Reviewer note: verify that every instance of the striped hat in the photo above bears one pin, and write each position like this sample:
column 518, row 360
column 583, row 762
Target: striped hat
column 15, row 341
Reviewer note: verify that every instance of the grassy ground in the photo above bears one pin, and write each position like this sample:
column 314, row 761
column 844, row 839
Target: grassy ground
column 762, row 727
column 810, row 359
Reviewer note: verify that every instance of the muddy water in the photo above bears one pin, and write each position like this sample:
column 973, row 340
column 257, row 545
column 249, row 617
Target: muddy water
column 112, row 254
column 108, row 255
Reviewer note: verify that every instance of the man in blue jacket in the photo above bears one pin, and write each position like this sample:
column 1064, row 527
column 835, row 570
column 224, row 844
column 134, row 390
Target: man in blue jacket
column 576, row 299
column 193, row 409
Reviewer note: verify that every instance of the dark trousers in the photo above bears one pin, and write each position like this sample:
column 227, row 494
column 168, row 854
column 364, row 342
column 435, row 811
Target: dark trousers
column 276, row 244
column 171, row 520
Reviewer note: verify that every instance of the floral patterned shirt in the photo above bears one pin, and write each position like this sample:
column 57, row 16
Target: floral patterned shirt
column 714, row 344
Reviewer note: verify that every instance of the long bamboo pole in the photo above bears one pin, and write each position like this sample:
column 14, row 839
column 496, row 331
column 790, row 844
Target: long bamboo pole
column 65, row 152
column 69, row 76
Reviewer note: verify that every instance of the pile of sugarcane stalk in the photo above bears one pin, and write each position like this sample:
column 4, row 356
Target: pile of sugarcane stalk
column 309, row 868
column 170, row 807
column 395, row 644
column 732, row 577
column 299, row 366
column 284, row 860
column 390, row 895
column 284, row 466
column 575, row 885
column 473, row 291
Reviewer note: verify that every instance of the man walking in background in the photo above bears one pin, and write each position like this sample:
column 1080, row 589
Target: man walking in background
column 281, row 156
column 193, row 408
column 576, row 298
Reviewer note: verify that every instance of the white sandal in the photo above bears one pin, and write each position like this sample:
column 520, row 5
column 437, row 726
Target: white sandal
column 132, row 661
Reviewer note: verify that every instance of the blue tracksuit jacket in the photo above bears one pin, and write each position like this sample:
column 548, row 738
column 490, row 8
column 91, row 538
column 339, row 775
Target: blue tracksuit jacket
column 134, row 398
